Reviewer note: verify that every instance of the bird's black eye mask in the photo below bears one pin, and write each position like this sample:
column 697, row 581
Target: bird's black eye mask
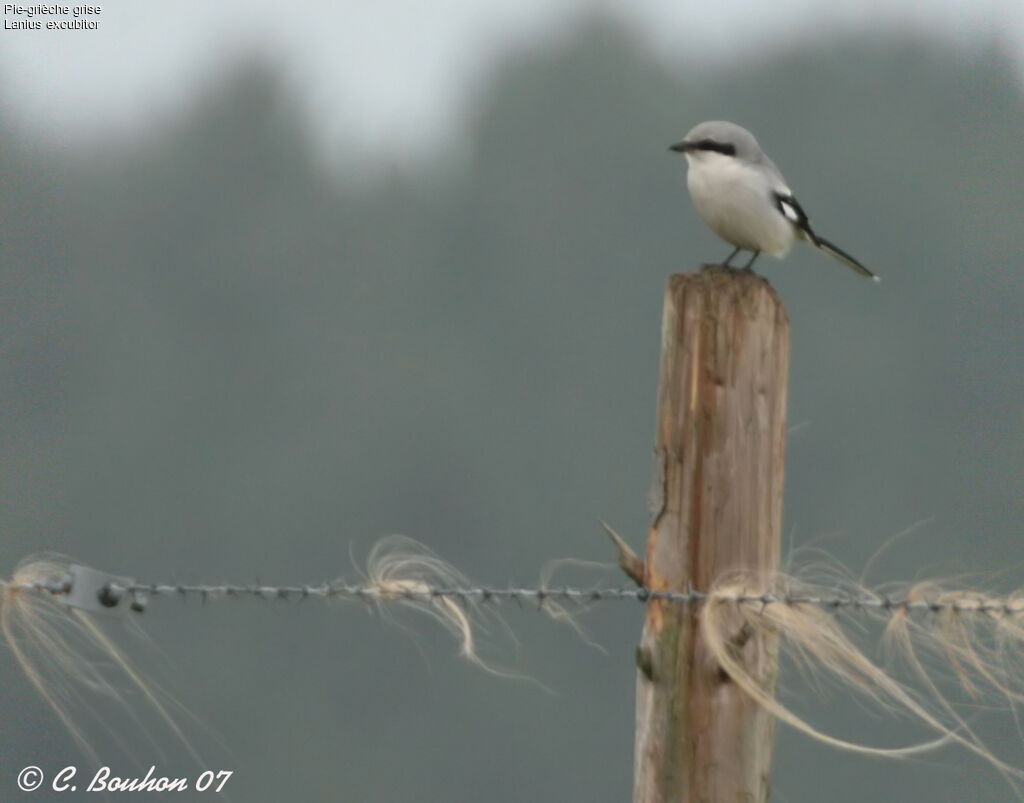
column 712, row 145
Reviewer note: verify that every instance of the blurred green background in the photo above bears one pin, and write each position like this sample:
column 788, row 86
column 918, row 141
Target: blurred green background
column 222, row 358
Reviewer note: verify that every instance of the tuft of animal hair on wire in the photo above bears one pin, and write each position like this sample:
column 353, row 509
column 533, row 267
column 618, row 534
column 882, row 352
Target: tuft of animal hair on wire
column 50, row 617
column 953, row 650
column 402, row 571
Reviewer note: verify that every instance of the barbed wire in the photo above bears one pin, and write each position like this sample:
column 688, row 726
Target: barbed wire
column 921, row 622
column 111, row 592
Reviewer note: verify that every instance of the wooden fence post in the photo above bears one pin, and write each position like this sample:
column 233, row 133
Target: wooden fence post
column 716, row 500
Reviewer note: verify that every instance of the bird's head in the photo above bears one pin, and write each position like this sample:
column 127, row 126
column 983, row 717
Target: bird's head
column 717, row 139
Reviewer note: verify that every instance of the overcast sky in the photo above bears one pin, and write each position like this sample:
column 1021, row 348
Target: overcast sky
column 388, row 75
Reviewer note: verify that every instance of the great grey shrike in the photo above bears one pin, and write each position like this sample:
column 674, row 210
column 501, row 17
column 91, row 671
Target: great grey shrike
column 743, row 197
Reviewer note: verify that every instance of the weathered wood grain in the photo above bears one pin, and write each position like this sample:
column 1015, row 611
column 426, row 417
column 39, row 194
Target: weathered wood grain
column 717, row 507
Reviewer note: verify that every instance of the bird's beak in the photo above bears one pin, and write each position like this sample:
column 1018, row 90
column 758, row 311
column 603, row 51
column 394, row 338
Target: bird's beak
column 680, row 147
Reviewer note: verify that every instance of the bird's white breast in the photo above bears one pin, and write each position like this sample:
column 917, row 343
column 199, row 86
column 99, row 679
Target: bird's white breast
column 736, row 202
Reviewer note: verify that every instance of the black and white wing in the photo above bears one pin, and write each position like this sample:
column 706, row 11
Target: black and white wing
column 794, row 213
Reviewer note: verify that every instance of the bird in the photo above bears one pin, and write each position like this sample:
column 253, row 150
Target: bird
column 743, row 197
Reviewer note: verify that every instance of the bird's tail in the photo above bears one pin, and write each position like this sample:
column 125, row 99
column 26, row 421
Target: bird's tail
column 839, row 254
